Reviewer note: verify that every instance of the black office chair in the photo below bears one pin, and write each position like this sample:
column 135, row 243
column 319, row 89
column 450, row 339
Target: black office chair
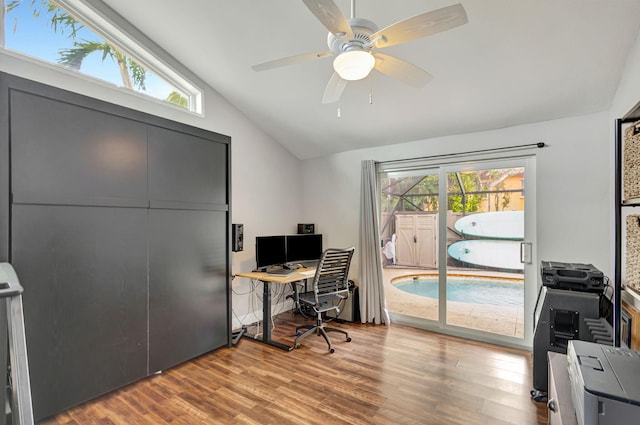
column 330, row 289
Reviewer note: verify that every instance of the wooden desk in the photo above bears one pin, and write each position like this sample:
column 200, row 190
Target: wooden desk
column 267, row 280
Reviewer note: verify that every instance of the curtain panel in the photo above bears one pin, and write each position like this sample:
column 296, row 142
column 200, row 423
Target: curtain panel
column 373, row 305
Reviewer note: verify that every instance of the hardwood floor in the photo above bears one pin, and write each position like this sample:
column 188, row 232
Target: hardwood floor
column 386, row 375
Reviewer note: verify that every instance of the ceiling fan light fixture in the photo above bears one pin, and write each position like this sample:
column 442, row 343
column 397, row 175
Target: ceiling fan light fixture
column 354, row 65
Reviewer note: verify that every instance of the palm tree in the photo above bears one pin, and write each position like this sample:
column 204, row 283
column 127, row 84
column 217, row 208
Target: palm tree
column 131, row 72
column 59, row 19
column 61, row 22
column 178, row 99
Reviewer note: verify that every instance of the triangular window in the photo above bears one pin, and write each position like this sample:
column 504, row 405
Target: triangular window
column 73, row 34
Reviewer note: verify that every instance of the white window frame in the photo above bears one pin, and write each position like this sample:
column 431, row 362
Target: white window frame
column 118, row 32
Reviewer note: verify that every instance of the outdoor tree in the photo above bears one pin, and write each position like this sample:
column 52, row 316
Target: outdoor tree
column 132, row 73
column 459, row 199
column 413, row 193
column 178, row 99
column 420, row 193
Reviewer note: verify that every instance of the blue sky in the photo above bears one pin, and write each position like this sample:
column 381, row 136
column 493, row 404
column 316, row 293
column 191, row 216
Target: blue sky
column 35, row 37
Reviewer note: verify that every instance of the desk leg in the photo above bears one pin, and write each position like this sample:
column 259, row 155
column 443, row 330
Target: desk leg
column 266, row 312
column 266, row 320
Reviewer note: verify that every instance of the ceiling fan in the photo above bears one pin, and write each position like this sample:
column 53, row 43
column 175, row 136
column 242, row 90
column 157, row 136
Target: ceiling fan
column 354, row 43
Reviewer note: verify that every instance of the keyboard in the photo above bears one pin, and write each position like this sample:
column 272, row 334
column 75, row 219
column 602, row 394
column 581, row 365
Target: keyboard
column 281, row 272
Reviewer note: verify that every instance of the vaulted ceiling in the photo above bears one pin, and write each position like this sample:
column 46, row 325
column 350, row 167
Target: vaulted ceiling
column 514, row 62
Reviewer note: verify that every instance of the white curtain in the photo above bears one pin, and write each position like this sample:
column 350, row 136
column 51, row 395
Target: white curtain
column 373, row 304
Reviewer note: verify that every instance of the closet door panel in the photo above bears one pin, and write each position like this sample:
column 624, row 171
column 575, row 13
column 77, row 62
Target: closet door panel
column 117, row 224
column 186, row 168
column 187, row 285
column 84, row 272
column 65, row 153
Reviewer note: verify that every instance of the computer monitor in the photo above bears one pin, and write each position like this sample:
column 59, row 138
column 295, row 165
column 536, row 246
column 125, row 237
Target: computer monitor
column 270, row 251
column 306, row 247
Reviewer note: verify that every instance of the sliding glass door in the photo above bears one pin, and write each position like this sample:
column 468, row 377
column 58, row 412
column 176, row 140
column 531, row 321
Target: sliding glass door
column 484, row 270
column 409, row 227
column 457, row 248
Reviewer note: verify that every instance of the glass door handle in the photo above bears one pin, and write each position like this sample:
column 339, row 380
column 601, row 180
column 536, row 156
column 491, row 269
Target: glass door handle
column 525, row 252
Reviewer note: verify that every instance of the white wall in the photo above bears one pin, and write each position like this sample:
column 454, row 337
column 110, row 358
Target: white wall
column 574, row 174
column 575, row 201
column 573, row 185
column 260, row 167
column 628, row 93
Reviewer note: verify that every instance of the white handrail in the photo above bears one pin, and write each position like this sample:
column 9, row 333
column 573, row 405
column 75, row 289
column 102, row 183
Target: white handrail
column 11, row 290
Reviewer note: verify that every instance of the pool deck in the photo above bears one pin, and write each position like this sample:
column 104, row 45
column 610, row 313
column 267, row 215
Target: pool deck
column 504, row 320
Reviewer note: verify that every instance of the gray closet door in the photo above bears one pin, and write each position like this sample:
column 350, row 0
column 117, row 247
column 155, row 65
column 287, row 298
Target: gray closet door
column 188, row 247
column 85, row 300
column 79, row 247
column 118, row 227
column 64, row 153
column 187, row 285
column 187, row 170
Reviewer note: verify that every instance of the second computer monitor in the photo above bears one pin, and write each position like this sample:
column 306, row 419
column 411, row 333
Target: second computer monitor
column 302, row 248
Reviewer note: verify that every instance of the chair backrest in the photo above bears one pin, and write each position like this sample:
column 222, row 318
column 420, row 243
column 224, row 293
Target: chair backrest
column 332, row 272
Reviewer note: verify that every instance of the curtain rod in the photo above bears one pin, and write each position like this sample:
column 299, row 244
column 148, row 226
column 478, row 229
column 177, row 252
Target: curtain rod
column 529, row 145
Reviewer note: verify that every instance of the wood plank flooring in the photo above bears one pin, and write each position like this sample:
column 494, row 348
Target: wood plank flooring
column 386, row 375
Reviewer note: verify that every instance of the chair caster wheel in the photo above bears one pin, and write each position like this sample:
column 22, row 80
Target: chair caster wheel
column 331, row 350
column 348, row 339
column 296, row 346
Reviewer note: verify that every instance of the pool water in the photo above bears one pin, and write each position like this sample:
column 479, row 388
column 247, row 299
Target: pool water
column 468, row 290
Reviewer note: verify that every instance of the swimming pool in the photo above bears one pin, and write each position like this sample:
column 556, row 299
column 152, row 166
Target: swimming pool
column 493, row 291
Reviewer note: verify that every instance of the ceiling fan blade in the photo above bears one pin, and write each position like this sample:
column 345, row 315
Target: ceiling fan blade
column 401, row 70
column 330, row 16
column 334, row 89
column 419, row 26
column 305, row 57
